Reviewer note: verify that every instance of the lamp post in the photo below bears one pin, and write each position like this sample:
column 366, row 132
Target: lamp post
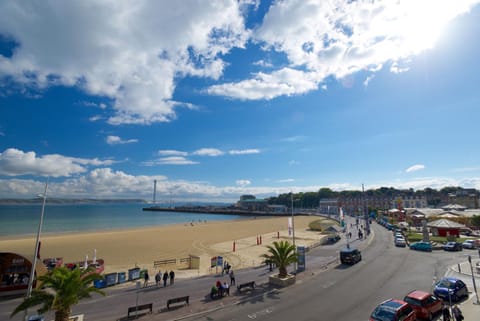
column 293, row 235
column 37, row 243
column 473, row 279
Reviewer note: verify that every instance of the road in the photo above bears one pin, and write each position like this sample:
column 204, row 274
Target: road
column 337, row 293
column 348, row 293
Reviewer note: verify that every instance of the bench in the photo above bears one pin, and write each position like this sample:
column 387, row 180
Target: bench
column 177, row 300
column 148, row 306
column 250, row 284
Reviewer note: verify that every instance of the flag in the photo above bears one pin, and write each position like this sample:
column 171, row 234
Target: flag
column 290, row 226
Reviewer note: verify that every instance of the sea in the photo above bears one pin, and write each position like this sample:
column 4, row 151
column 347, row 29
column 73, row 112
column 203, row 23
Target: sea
column 23, row 220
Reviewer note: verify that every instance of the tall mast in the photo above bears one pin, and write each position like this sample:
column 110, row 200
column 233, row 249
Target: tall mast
column 154, row 191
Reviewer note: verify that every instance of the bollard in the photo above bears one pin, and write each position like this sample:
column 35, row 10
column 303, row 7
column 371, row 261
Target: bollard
column 459, row 269
column 233, row 246
column 260, row 239
column 278, row 236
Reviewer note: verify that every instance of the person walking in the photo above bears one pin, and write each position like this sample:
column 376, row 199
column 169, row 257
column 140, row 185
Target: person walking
column 146, row 277
column 457, row 313
column 165, row 278
column 172, row 277
column 158, row 278
column 232, row 277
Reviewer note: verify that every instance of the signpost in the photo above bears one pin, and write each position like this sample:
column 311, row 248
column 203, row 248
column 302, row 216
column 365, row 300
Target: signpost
column 301, row 258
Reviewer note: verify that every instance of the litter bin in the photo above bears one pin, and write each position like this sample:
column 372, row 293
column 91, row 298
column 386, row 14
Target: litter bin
column 99, row 284
column 133, row 274
column 122, row 276
column 142, row 274
column 111, row 279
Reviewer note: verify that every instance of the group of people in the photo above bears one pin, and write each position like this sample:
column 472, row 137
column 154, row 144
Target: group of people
column 457, row 313
column 159, row 277
column 220, row 290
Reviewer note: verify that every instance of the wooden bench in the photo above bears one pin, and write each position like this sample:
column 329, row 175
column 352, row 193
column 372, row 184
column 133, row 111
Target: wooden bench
column 250, row 284
column 135, row 309
column 177, row 300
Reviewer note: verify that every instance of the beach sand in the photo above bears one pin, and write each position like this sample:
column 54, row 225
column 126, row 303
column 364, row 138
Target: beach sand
column 126, row 249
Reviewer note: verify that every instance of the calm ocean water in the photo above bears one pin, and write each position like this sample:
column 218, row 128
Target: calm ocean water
column 24, row 219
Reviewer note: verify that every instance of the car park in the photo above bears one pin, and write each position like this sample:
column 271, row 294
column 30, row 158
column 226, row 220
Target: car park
column 450, row 289
column 350, row 256
column 453, row 246
column 426, row 305
column 393, row 310
column 421, row 246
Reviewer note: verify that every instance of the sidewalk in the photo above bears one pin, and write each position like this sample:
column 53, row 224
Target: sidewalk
column 470, row 307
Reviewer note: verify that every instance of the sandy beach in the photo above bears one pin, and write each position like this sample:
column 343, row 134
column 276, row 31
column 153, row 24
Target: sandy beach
column 125, row 249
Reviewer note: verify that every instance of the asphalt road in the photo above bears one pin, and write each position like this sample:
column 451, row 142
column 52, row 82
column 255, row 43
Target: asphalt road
column 337, row 293
column 348, row 293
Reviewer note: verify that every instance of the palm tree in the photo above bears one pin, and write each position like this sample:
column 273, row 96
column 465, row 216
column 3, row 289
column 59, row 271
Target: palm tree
column 281, row 254
column 61, row 288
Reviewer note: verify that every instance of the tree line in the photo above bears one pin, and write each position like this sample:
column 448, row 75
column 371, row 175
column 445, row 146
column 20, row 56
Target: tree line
column 311, row 199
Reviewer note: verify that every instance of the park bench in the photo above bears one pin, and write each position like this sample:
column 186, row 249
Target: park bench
column 135, row 309
column 250, row 284
column 177, row 300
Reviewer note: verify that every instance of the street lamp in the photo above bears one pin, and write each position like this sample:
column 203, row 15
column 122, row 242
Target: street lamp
column 293, row 236
column 37, row 243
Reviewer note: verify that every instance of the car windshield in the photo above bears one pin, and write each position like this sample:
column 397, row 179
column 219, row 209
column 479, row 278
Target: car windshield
column 383, row 313
column 446, row 284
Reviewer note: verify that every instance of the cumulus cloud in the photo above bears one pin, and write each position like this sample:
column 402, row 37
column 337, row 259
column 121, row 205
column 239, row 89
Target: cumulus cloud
column 128, row 52
column 14, row 162
column 415, row 168
column 115, row 140
column 208, row 152
column 243, row 182
column 244, row 151
column 338, row 38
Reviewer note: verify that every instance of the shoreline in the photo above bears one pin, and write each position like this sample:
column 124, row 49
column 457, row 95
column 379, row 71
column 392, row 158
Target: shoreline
column 123, row 249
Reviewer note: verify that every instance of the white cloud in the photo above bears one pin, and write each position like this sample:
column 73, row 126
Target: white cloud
column 397, row 69
column 175, row 160
column 171, row 152
column 415, row 168
column 243, row 182
column 14, row 162
column 208, row 152
column 128, row 52
column 287, row 180
column 367, row 80
column 293, row 162
column 339, row 38
column 294, row 139
column 115, row 140
column 244, row 151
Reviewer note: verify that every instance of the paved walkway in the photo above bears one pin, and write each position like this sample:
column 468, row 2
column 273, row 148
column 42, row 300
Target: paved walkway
column 463, row 271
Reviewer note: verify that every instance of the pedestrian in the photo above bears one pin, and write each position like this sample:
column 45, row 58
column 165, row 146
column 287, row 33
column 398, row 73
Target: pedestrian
column 445, row 312
column 146, row 277
column 457, row 313
column 165, row 278
column 226, row 288
column 172, row 277
column 232, row 277
column 158, row 278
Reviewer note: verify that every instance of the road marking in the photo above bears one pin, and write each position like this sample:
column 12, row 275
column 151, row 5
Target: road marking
column 260, row 313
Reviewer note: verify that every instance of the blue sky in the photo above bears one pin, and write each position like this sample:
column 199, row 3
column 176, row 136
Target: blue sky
column 215, row 99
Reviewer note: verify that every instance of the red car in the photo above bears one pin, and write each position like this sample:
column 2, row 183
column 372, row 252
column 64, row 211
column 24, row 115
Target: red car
column 425, row 304
column 393, row 310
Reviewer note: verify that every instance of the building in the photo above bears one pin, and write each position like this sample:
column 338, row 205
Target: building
column 445, row 227
column 251, row 203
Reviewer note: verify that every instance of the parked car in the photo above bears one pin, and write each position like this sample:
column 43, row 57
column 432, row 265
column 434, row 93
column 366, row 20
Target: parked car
column 449, row 288
column 400, row 242
column 453, row 246
column 333, row 239
column 425, row 304
column 350, row 256
column 421, row 246
column 471, row 244
column 393, row 310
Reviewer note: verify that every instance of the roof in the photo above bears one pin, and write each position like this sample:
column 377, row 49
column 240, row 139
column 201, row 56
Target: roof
column 453, row 207
column 444, row 223
column 418, row 294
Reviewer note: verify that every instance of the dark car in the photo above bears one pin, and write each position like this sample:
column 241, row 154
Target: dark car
column 426, row 305
column 453, row 246
column 450, row 289
column 350, row 256
column 332, row 239
column 393, row 310
column 421, row 246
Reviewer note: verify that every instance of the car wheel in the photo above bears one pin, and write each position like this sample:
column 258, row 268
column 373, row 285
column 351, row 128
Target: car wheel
column 430, row 317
